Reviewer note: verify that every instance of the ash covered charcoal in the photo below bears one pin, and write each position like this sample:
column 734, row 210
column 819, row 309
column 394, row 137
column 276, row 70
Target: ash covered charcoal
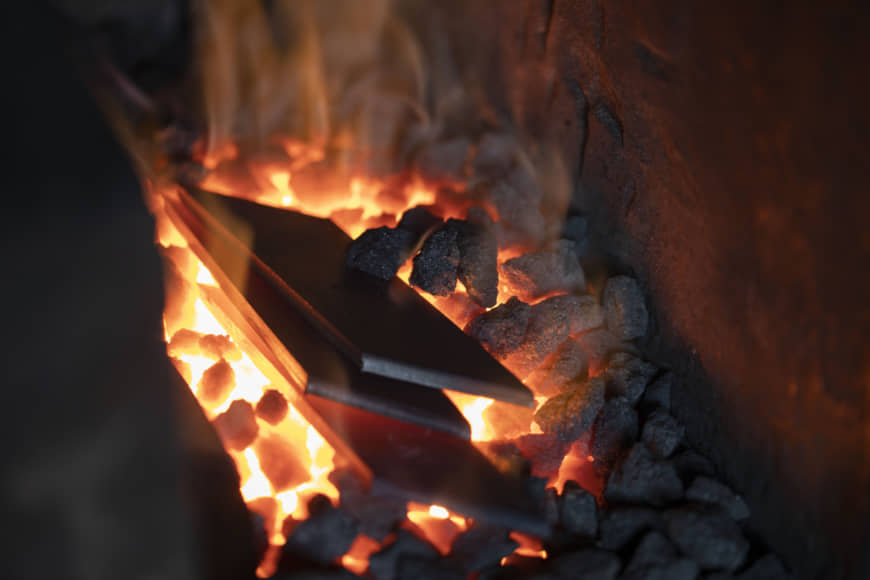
column 478, row 264
column 615, row 431
column 627, row 376
column 566, row 364
column 658, row 392
column 279, row 463
column 678, row 569
column 709, row 491
column 662, row 434
column 272, row 407
column 383, row 565
column 641, row 478
column 598, row 344
column 570, row 414
column 625, row 308
column 589, row 564
column 217, row 381
column 653, row 549
column 436, row 265
column 219, row 346
column 622, row 524
column 325, row 535
column 690, row 463
column 443, row 160
column 578, row 512
column 419, row 221
column 183, row 341
column 479, row 547
column 768, row 567
column 237, row 426
column 519, row 210
column 380, row 251
column 502, row 329
column 575, row 229
column 537, row 274
column 710, row 538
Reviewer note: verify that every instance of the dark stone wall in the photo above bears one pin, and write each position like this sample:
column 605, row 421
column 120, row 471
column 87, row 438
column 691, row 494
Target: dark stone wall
column 721, row 150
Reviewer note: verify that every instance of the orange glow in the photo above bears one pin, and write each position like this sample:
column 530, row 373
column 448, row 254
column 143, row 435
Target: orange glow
column 440, row 527
column 357, row 558
column 439, row 512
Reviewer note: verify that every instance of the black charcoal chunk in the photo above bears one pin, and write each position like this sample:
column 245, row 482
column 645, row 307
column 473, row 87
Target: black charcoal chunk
column 653, row 549
column 707, row 490
column 237, row 426
column 324, row 536
column 501, row 330
column 419, row 221
column 768, row 567
column 568, row 363
column 272, row 407
column 384, row 564
column 570, row 414
column 436, row 265
column 416, row 568
column 662, row 434
column 578, row 512
column 658, row 392
column 589, row 564
column 479, row 547
column 710, row 538
column 314, row 574
column 625, row 308
column 478, row 265
column 622, row 524
column 517, row 200
column 627, row 376
column 679, row 569
column 380, row 251
column 615, row 431
column 641, row 478
column 537, row 274
column 690, row 463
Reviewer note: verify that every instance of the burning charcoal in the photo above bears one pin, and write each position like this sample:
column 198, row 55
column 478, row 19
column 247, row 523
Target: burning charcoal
column 575, row 230
column 272, row 407
column 586, row 313
column 507, row 420
column 519, row 212
column 568, row 363
column 279, row 463
column 662, row 434
column 690, row 463
column 324, row 536
column 444, row 160
column 419, row 221
column 184, row 341
column 545, row 451
column 578, row 512
column 598, row 344
column 615, row 430
column 625, row 308
column 219, row 346
column 710, row 491
column 589, row 564
column 571, row 413
column 768, row 567
column 384, row 564
column 711, row 539
column 459, row 308
column 653, row 549
column 479, row 547
column 436, row 265
column 534, row 275
column 379, row 251
column 237, row 426
column 641, row 478
column 679, row 569
column 217, row 381
column 478, row 265
column 627, row 376
column 622, row 524
column 502, row 329
column 658, row 392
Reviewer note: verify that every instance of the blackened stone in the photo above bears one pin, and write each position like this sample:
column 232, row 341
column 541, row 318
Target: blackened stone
column 478, row 264
column 690, row 464
column 627, row 376
column 710, row 538
column 578, row 512
column 237, row 426
column 324, row 536
column 658, row 392
column 419, row 221
column 653, row 549
column 570, row 414
column 768, row 567
column 272, row 407
column 679, row 569
column 380, row 251
column 641, row 478
column 479, row 547
column 707, row 490
column 501, row 330
column 589, row 564
column 625, row 308
column 615, row 430
column 537, row 274
column 435, row 266
column 623, row 523
column 566, row 364
column 662, row 434
column 417, row 568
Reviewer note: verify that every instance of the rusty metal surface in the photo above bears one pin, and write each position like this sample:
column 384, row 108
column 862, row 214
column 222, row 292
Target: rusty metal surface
column 385, row 327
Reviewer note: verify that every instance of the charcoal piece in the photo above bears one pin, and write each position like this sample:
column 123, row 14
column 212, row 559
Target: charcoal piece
column 379, row 252
column 237, row 426
column 324, row 536
column 690, row 463
column 545, row 451
column 502, row 329
column 480, row 546
column 585, row 312
column 478, row 265
column 641, row 478
column 537, row 274
column 598, row 344
column 576, row 229
column 622, row 524
column 625, row 308
column 710, row 538
column 443, row 160
column 519, row 210
column 378, row 515
column 615, row 431
column 383, row 564
column 423, row 569
column 768, row 567
column 653, row 549
column 679, row 569
column 589, row 564
column 216, row 383
column 219, row 346
column 658, row 392
column 662, row 434
column 314, row 574
column 184, row 341
column 436, row 265
column 272, row 407
column 627, row 376
column 508, row 421
column 419, row 221
column 578, row 512
column 566, row 364
column 570, row 414
column 279, row 461
column 707, row 490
